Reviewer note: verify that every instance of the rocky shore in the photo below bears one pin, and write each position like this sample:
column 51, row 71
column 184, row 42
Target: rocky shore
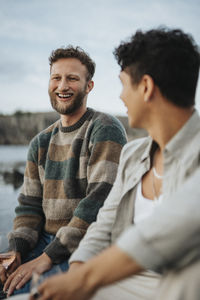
column 21, row 127
column 13, row 175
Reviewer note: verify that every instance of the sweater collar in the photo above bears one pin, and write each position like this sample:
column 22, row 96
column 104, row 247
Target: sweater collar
column 87, row 115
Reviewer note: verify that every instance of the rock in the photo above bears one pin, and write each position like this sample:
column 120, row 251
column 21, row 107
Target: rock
column 13, row 174
column 15, row 178
column 20, row 128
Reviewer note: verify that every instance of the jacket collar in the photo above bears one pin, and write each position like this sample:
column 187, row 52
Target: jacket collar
column 184, row 136
column 181, row 139
column 147, row 150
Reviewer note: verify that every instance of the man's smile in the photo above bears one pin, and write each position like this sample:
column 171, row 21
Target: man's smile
column 64, row 96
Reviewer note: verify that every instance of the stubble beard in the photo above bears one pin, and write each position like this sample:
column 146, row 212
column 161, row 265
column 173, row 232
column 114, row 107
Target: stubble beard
column 76, row 103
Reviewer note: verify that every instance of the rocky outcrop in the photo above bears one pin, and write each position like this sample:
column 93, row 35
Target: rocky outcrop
column 15, row 178
column 20, row 128
column 12, row 173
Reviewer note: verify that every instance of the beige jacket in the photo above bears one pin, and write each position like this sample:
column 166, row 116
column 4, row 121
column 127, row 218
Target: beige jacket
column 114, row 222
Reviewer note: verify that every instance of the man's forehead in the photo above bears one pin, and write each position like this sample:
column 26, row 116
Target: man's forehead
column 67, row 72
column 68, row 65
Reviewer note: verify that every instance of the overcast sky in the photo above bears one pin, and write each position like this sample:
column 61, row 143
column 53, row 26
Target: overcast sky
column 31, row 29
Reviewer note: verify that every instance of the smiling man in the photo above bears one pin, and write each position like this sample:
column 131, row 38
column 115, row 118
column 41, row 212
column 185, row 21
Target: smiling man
column 70, row 170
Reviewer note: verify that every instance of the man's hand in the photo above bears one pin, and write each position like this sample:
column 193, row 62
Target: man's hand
column 82, row 281
column 75, row 265
column 69, row 285
column 4, row 273
column 24, row 273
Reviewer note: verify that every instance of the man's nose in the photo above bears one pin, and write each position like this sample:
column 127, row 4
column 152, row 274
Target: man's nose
column 63, row 85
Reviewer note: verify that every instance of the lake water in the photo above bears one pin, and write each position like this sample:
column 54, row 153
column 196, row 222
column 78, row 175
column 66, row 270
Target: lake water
column 10, row 156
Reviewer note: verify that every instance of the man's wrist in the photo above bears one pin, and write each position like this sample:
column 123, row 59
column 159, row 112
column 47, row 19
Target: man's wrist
column 106, row 268
column 73, row 266
column 91, row 278
column 46, row 258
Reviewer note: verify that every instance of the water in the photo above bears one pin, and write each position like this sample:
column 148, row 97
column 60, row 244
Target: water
column 10, row 156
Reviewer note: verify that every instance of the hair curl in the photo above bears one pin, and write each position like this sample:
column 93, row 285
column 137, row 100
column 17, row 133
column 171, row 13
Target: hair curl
column 169, row 56
column 74, row 52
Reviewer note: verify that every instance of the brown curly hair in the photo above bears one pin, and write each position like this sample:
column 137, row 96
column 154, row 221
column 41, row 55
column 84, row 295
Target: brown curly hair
column 74, row 52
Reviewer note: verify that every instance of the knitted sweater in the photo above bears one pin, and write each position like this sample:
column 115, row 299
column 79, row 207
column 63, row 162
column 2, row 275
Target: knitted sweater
column 68, row 175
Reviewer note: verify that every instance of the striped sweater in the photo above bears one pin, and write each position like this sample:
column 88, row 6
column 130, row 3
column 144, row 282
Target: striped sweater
column 68, row 175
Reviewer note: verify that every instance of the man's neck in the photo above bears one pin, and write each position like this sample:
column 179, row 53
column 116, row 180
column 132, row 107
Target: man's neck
column 167, row 123
column 71, row 119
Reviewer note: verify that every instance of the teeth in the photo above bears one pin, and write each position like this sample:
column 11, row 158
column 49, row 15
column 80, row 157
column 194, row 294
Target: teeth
column 64, row 95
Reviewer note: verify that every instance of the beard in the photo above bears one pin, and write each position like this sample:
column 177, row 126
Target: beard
column 68, row 109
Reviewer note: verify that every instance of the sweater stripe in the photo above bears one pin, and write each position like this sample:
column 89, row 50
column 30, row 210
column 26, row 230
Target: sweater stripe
column 108, row 175
column 60, row 152
column 54, row 208
column 31, row 187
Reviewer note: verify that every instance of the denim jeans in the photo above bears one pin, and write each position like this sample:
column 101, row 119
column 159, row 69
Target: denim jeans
column 44, row 240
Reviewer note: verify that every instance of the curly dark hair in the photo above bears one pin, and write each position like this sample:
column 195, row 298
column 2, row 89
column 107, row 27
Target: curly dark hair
column 169, row 56
column 74, row 52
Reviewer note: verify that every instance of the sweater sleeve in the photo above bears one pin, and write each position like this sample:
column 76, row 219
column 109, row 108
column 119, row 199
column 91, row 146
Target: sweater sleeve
column 29, row 214
column 105, row 146
column 98, row 235
column 170, row 237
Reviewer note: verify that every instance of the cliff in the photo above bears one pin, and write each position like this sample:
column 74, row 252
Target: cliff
column 21, row 127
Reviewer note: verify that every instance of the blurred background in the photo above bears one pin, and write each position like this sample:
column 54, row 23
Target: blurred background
column 30, row 30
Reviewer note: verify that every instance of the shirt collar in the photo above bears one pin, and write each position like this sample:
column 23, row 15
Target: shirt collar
column 147, row 151
column 179, row 141
column 183, row 137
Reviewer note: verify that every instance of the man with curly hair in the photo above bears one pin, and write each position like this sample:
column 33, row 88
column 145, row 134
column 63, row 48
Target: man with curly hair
column 70, row 170
column 150, row 222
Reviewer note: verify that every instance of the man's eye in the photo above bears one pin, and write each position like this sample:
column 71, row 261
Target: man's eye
column 56, row 78
column 72, row 78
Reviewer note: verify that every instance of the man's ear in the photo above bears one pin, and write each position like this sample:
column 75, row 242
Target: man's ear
column 90, row 86
column 148, row 86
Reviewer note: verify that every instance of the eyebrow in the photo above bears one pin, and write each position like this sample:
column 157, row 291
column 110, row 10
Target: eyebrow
column 68, row 75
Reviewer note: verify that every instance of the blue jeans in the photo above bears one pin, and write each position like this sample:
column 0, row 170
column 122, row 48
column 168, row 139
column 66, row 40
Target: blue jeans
column 44, row 240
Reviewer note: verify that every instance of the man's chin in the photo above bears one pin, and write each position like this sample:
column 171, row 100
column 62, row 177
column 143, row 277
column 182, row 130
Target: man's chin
column 68, row 108
column 62, row 111
column 65, row 110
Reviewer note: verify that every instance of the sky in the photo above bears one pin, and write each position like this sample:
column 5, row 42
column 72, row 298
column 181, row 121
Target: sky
column 31, row 29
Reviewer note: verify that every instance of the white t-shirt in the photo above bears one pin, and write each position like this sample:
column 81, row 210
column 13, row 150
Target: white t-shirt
column 143, row 206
